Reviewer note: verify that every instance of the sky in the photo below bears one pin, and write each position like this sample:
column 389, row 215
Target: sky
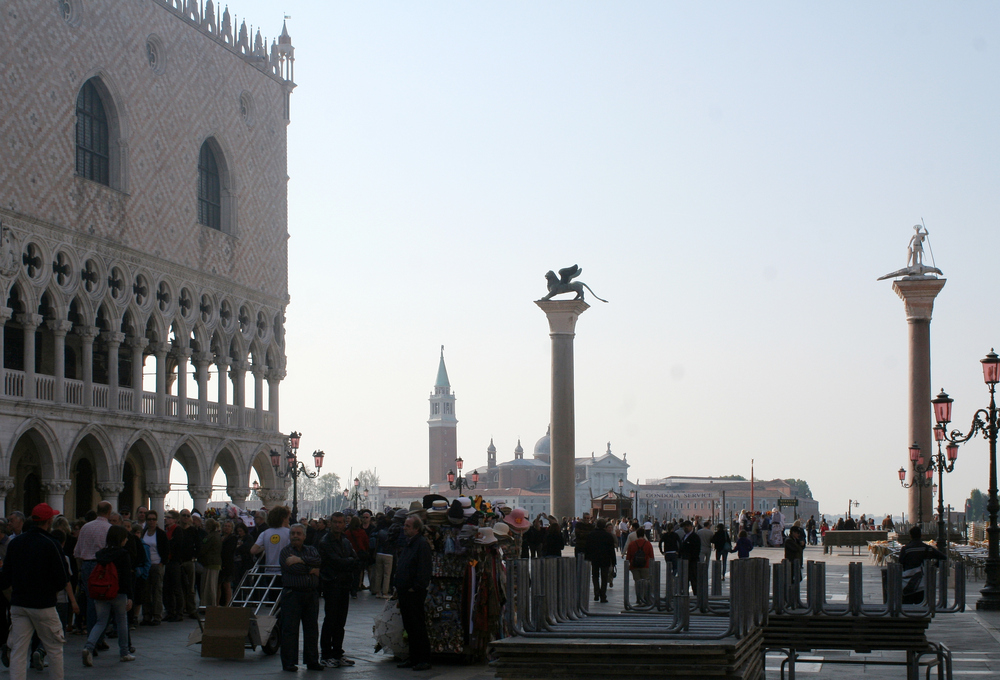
column 732, row 177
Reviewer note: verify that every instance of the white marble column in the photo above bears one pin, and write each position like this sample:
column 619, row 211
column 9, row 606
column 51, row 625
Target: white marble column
column 59, row 330
column 562, row 316
column 239, row 373
column 199, row 497
column 157, row 494
column 5, row 314
column 182, row 354
column 222, row 364
column 918, row 300
column 87, row 335
column 201, row 361
column 110, row 491
column 55, row 491
column 160, row 351
column 30, row 323
column 274, row 378
column 258, row 396
column 238, row 495
column 114, row 340
column 137, row 345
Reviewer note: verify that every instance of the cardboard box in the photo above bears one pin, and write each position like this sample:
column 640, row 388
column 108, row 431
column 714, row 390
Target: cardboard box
column 225, row 633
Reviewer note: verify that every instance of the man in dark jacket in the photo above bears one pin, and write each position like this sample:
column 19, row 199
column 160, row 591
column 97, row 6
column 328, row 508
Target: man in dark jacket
column 159, row 551
column 413, row 575
column 336, row 574
column 670, row 545
column 300, row 567
column 912, row 557
column 581, row 531
column 173, row 577
column 601, row 555
column 691, row 551
column 35, row 569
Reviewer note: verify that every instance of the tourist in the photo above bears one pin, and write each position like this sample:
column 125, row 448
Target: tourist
column 113, row 553
column 670, row 544
column 413, row 575
column 300, row 567
column 705, row 535
column 581, row 530
column 690, row 550
column 912, row 557
column 639, row 557
column 601, row 555
column 358, row 538
column 553, row 543
column 272, row 540
column 173, row 573
column 811, row 530
column 723, row 546
column 340, row 563
column 210, row 557
column 158, row 545
column 795, row 543
column 93, row 537
column 34, row 569
column 228, row 557
column 189, row 561
column 382, row 585
column 743, row 545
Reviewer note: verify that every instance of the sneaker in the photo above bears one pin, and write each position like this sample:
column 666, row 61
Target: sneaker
column 344, row 661
column 36, row 660
column 88, row 658
column 127, row 657
column 330, row 663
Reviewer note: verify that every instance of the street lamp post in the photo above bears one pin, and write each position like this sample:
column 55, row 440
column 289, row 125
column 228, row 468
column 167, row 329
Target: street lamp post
column 850, row 504
column 984, row 421
column 460, row 481
column 295, row 468
column 355, row 498
column 923, row 477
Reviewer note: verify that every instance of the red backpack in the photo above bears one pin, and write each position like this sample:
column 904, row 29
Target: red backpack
column 103, row 582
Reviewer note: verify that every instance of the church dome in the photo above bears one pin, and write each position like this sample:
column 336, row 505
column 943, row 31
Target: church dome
column 543, row 447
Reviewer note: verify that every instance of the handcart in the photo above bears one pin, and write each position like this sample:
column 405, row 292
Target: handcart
column 250, row 620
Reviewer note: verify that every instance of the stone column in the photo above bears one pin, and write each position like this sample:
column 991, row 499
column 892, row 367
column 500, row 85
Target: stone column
column 272, row 497
column 182, row 354
column 222, row 364
column 238, row 495
column 138, row 345
column 30, row 322
column 160, row 351
column 5, row 313
column 59, row 330
column 918, row 300
column 274, row 378
column 110, row 491
column 114, row 340
column 199, row 497
column 55, row 491
column 87, row 335
column 238, row 372
column 6, row 486
column 258, row 396
column 157, row 494
column 562, row 316
column 202, row 360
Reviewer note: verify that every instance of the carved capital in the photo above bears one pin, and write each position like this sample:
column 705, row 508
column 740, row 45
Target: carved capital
column 59, row 326
column 157, row 490
column 88, row 333
column 272, row 496
column 259, row 372
column 222, row 362
column 5, row 313
column 115, row 338
column 110, row 488
column 240, row 366
column 29, row 320
column 202, row 359
column 238, row 493
column 6, row 486
column 57, row 486
column 181, row 352
column 276, row 374
column 138, row 342
column 918, row 296
column 199, row 491
column 160, row 349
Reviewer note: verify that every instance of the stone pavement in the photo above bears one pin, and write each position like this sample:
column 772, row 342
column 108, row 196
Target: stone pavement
column 974, row 638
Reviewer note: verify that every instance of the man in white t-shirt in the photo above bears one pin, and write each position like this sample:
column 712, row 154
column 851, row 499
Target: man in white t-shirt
column 273, row 540
column 156, row 540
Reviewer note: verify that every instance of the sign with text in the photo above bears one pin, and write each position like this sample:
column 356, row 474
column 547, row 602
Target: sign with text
column 654, row 495
column 788, row 502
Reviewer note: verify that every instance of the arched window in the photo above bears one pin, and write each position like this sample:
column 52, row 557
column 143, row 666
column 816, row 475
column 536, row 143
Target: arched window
column 93, row 160
column 209, row 189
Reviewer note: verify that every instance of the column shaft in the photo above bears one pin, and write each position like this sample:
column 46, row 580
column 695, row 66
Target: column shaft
column 114, row 342
column 87, row 335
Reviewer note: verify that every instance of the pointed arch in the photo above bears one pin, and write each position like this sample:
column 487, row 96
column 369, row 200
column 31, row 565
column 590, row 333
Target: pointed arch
column 146, row 448
column 101, row 131
column 227, row 457
column 105, row 455
column 261, row 462
column 216, row 196
column 46, row 444
column 190, row 454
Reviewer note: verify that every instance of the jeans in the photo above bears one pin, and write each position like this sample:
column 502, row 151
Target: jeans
column 24, row 622
column 299, row 608
column 210, row 587
column 188, row 577
column 173, row 589
column 721, row 555
column 105, row 610
column 85, row 571
column 672, row 559
column 382, row 584
column 642, row 585
column 411, row 608
column 336, row 600
column 152, row 607
column 600, row 578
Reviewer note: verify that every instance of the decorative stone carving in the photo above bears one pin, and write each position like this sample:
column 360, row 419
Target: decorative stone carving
column 272, row 496
column 238, row 494
column 564, row 283
column 157, row 490
column 29, row 320
column 88, row 333
column 9, row 250
column 57, row 487
column 59, row 326
column 109, row 490
column 115, row 338
column 199, row 491
column 6, row 486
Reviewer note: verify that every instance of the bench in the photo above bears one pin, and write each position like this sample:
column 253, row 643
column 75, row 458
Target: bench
column 851, row 539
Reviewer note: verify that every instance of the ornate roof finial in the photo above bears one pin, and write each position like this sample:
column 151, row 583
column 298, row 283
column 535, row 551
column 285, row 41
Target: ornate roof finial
column 284, row 38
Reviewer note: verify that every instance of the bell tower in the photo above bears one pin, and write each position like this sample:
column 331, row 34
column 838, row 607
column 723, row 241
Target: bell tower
column 443, row 427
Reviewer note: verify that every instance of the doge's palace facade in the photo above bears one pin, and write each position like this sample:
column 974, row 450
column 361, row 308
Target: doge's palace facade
column 143, row 206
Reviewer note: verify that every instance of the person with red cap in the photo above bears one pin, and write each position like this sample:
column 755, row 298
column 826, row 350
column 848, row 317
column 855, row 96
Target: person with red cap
column 35, row 571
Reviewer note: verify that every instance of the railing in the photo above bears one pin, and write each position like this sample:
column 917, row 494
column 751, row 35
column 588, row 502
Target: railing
column 45, row 387
column 74, row 391
column 171, row 406
column 148, row 404
column 249, row 418
column 192, row 409
column 100, row 396
column 213, row 413
column 125, row 399
column 232, row 416
column 270, row 421
column 13, row 383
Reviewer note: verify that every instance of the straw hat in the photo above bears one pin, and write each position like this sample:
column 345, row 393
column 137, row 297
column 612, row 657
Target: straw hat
column 416, row 508
column 486, row 536
column 501, row 530
column 518, row 521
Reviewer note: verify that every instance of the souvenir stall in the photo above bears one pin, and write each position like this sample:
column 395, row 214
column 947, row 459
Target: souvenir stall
column 466, row 596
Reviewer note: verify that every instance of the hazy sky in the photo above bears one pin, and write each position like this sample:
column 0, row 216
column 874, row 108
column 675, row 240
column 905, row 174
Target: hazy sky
column 733, row 178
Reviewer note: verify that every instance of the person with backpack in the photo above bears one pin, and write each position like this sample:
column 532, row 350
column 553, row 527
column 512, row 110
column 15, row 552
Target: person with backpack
column 639, row 557
column 110, row 585
column 912, row 557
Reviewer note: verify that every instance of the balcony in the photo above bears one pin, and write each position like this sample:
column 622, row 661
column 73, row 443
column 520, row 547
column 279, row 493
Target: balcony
column 223, row 415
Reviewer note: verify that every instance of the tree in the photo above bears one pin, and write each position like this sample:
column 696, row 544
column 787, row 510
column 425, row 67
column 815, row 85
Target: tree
column 976, row 506
column 369, row 479
column 327, row 486
column 738, row 478
column 799, row 488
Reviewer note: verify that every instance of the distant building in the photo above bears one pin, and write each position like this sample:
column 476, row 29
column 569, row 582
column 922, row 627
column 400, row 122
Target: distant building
column 688, row 497
column 443, row 427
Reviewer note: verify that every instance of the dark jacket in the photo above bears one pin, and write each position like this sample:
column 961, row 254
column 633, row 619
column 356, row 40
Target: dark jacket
column 670, row 542
column 211, row 550
column 582, row 531
column 719, row 540
column 743, row 547
column 911, row 555
column 794, row 544
column 137, row 552
column 413, row 570
column 552, row 544
column 123, row 564
column 35, row 568
column 600, row 548
column 691, row 547
column 178, row 544
column 340, row 562
column 162, row 544
column 228, row 556
column 193, row 537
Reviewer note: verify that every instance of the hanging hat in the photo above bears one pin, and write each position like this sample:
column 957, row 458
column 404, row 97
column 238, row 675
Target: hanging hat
column 438, row 513
column 501, row 530
column 430, row 498
column 486, row 536
column 518, row 520
column 456, row 513
column 468, row 531
column 416, row 508
column 438, row 506
column 466, row 505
